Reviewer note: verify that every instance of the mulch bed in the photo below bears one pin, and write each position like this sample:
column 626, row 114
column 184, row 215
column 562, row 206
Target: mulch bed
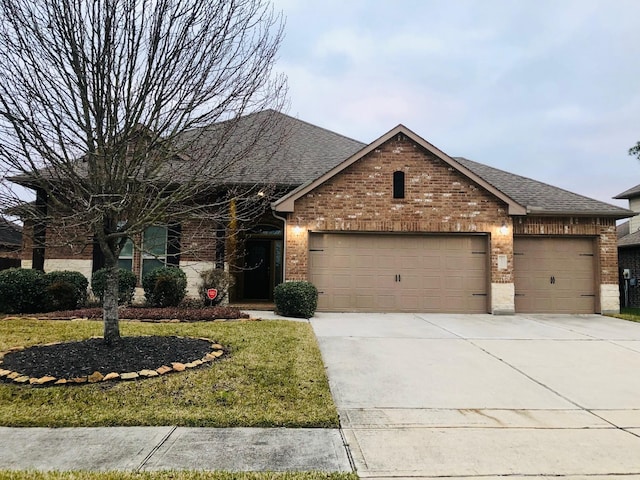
column 80, row 359
column 204, row 314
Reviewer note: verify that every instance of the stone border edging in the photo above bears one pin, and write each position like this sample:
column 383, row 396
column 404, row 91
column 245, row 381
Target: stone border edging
column 216, row 352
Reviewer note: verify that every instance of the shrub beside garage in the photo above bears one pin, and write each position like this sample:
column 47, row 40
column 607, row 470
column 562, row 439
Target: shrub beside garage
column 296, row 299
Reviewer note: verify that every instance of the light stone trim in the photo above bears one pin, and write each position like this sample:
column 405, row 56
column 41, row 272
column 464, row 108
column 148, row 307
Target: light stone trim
column 192, row 271
column 503, row 298
column 609, row 299
column 74, row 265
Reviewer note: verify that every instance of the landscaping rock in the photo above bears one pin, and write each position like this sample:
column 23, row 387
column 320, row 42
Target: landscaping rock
column 95, row 377
column 43, row 380
column 178, row 367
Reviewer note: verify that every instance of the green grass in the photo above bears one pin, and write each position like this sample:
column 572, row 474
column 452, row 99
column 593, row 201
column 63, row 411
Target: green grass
column 632, row 314
column 174, row 475
column 272, row 377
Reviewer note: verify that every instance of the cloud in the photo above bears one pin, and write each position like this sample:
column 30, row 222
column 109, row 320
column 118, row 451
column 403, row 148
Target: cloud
column 542, row 88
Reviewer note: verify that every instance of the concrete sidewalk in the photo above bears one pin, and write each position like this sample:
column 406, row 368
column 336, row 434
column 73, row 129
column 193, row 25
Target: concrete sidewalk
column 173, row 448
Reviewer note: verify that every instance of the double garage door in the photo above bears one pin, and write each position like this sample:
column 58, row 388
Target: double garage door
column 447, row 273
column 399, row 273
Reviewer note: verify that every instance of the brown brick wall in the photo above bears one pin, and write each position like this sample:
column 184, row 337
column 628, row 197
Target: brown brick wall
column 61, row 242
column 437, row 199
column 27, row 241
column 198, row 242
column 602, row 229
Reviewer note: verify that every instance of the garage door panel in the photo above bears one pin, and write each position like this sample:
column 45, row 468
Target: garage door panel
column 386, row 262
column 554, row 275
column 400, row 272
column 339, row 301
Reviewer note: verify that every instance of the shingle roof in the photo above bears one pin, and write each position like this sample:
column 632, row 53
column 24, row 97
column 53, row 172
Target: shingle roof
column 631, row 240
column 265, row 147
column 626, row 238
column 631, row 193
column 270, row 147
column 623, row 229
column 290, row 152
column 10, row 234
column 541, row 198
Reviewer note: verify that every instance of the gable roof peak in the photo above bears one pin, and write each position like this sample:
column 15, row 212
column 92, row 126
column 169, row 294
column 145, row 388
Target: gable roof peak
column 286, row 203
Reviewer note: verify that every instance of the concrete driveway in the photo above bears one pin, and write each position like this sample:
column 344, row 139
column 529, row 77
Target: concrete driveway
column 482, row 396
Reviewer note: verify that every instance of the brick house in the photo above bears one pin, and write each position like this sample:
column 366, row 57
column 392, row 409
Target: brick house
column 401, row 226
column 629, row 251
column 10, row 244
column 398, row 225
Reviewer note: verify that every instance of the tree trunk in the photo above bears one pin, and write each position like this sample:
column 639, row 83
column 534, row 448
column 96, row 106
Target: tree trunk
column 110, row 306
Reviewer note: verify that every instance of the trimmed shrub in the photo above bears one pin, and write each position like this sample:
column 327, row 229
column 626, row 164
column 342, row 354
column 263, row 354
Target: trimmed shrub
column 126, row 284
column 61, row 295
column 165, row 287
column 22, row 290
column 218, row 279
column 296, row 299
column 66, row 290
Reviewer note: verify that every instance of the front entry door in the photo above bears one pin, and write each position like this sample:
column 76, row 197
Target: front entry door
column 257, row 276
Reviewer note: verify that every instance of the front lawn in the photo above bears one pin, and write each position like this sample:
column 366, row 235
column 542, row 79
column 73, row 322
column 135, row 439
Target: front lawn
column 632, row 314
column 272, row 376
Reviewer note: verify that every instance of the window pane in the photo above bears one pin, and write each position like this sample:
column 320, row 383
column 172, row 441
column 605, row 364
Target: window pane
column 150, row 264
column 398, row 184
column 127, row 250
column 155, row 241
column 125, row 263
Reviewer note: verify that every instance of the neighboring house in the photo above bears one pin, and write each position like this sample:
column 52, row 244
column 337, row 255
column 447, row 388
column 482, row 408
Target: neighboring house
column 398, row 225
column 10, row 244
column 629, row 251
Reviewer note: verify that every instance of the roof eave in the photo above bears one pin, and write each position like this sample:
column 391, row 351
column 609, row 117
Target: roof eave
column 24, row 181
column 623, row 213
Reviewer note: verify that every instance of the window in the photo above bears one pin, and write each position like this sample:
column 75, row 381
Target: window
column 125, row 260
column 154, row 249
column 398, row 184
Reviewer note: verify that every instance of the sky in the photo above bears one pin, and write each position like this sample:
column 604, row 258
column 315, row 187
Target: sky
column 547, row 89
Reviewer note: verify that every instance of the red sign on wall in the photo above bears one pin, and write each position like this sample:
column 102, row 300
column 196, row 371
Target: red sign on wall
column 212, row 293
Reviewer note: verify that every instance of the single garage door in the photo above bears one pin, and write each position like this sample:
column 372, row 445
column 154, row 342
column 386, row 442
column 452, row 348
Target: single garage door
column 399, row 273
column 554, row 275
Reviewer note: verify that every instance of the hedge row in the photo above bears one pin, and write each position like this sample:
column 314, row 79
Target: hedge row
column 29, row 291
column 24, row 290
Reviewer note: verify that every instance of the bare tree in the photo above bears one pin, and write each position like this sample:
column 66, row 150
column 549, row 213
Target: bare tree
column 107, row 107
